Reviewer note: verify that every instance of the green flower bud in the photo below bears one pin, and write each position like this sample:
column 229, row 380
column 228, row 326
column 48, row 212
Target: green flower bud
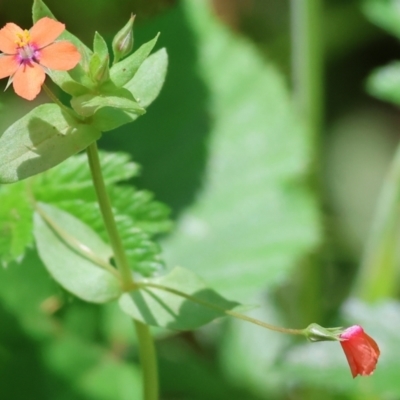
column 122, row 43
column 316, row 333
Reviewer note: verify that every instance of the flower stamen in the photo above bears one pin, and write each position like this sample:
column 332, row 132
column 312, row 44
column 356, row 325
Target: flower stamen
column 23, row 39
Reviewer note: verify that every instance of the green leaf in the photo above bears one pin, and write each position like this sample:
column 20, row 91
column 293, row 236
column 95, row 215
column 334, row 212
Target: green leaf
column 255, row 216
column 139, row 217
column 64, row 80
column 149, row 79
column 108, row 118
column 72, row 180
column 15, row 222
column 123, row 71
column 55, row 233
column 149, row 215
column 384, row 13
column 161, row 308
column 41, row 139
column 384, row 83
column 87, row 105
column 100, row 46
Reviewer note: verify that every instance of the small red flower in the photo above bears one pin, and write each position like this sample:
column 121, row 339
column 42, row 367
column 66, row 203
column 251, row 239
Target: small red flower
column 361, row 350
column 28, row 54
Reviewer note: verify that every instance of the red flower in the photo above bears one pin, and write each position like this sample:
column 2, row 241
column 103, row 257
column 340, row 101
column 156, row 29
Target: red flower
column 361, row 350
column 28, row 54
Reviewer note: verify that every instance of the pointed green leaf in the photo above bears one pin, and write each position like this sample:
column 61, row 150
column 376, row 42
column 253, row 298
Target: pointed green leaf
column 56, row 233
column 64, row 80
column 87, row 105
column 40, row 140
column 161, row 308
column 123, row 71
column 100, row 46
column 109, row 118
column 149, row 79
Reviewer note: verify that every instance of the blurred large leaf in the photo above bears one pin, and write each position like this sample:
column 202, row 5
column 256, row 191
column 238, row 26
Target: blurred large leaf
column 384, row 83
column 384, row 13
column 254, row 217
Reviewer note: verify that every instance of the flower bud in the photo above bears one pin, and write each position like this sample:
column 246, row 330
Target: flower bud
column 360, row 349
column 122, row 43
column 316, row 333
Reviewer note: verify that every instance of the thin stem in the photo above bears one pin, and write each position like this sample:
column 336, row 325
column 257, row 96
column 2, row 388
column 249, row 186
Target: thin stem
column 377, row 276
column 307, row 62
column 108, row 216
column 307, row 71
column 145, row 340
column 220, row 309
column 148, row 361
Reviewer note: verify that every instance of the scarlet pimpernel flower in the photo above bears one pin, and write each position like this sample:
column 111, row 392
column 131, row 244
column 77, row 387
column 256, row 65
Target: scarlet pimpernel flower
column 361, row 350
column 28, row 55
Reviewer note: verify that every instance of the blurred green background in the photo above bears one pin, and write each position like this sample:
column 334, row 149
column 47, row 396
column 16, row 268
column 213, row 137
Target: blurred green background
column 224, row 147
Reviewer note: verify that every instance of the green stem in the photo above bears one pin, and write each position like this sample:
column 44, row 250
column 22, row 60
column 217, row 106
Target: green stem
column 307, row 62
column 220, row 309
column 307, row 71
column 148, row 361
column 108, row 216
column 145, row 340
column 378, row 274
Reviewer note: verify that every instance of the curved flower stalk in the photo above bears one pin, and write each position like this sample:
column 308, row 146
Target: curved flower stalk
column 28, row 54
column 361, row 351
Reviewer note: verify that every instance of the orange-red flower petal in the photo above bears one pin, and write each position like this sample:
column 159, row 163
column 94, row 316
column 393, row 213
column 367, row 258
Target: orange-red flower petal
column 46, row 31
column 8, row 34
column 8, row 66
column 28, row 80
column 361, row 351
column 61, row 56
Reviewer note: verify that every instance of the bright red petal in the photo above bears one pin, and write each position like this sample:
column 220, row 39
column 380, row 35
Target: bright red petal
column 361, row 351
column 28, row 80
column 46, row 31
column 8, row 36
column 8, row 65
column 61, row 56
